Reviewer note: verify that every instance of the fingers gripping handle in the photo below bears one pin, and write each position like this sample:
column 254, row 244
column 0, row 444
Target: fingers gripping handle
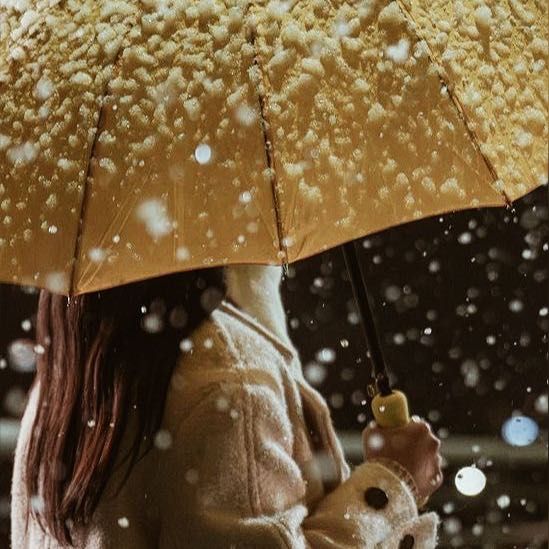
column 391, row 410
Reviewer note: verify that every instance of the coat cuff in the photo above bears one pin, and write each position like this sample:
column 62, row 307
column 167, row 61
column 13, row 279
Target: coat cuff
column 403, row 474
column 419, row 533
column 385, row 492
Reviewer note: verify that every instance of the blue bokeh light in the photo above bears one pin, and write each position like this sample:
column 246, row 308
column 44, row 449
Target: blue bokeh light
column 520, row 431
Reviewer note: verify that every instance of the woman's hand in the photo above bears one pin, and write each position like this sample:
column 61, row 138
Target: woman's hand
column 414, row 447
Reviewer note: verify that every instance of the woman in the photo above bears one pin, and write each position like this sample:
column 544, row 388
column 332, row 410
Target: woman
column 173, row 413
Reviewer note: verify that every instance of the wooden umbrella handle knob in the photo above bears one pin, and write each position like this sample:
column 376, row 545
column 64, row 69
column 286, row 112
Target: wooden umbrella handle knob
column 391, row 410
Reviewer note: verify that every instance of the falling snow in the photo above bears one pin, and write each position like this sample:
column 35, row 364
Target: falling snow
column 154, row 214
column 357, row 120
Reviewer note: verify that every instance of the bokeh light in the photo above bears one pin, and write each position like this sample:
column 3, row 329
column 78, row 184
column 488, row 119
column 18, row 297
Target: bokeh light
column 520, row 431
column 470, row 481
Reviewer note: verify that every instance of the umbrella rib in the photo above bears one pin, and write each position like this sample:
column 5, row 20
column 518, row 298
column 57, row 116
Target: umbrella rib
column 85, row 198
column 458, row 106
column 83, row 205
column 269, row 154
column 461, row 113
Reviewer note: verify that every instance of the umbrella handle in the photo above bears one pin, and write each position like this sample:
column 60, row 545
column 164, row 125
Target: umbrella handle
column 391, row 410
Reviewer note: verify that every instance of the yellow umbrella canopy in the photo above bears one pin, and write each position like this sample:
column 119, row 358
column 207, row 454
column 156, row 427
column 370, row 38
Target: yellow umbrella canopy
column 139, row 138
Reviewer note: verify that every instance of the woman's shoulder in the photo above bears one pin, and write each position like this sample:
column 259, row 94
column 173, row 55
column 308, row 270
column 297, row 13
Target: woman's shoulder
column 239, row 325
column 230, row 338
column 227, row 352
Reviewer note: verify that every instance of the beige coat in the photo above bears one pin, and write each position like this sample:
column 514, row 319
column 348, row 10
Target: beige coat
column 252, row 462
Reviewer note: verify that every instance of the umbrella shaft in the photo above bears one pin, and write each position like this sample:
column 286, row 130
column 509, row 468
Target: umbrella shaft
column 365, row 311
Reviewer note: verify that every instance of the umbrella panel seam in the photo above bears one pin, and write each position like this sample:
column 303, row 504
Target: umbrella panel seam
column 457, row 104
column 269, row 154
column 86, row 193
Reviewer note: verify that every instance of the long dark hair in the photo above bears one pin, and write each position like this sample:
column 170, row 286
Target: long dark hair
column 100, row 356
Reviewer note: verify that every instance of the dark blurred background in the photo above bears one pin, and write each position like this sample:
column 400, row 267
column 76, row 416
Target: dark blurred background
column 461, row 302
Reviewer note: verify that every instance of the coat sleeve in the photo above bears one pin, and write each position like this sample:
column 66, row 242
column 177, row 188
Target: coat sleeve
column 232, row 482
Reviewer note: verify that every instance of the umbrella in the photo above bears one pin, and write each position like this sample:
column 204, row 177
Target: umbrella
column 142, row 138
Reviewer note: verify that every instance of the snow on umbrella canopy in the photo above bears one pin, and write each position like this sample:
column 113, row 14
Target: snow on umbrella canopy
column 139, row 138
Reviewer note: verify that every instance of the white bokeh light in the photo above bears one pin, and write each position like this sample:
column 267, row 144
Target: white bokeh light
column 470, row 481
